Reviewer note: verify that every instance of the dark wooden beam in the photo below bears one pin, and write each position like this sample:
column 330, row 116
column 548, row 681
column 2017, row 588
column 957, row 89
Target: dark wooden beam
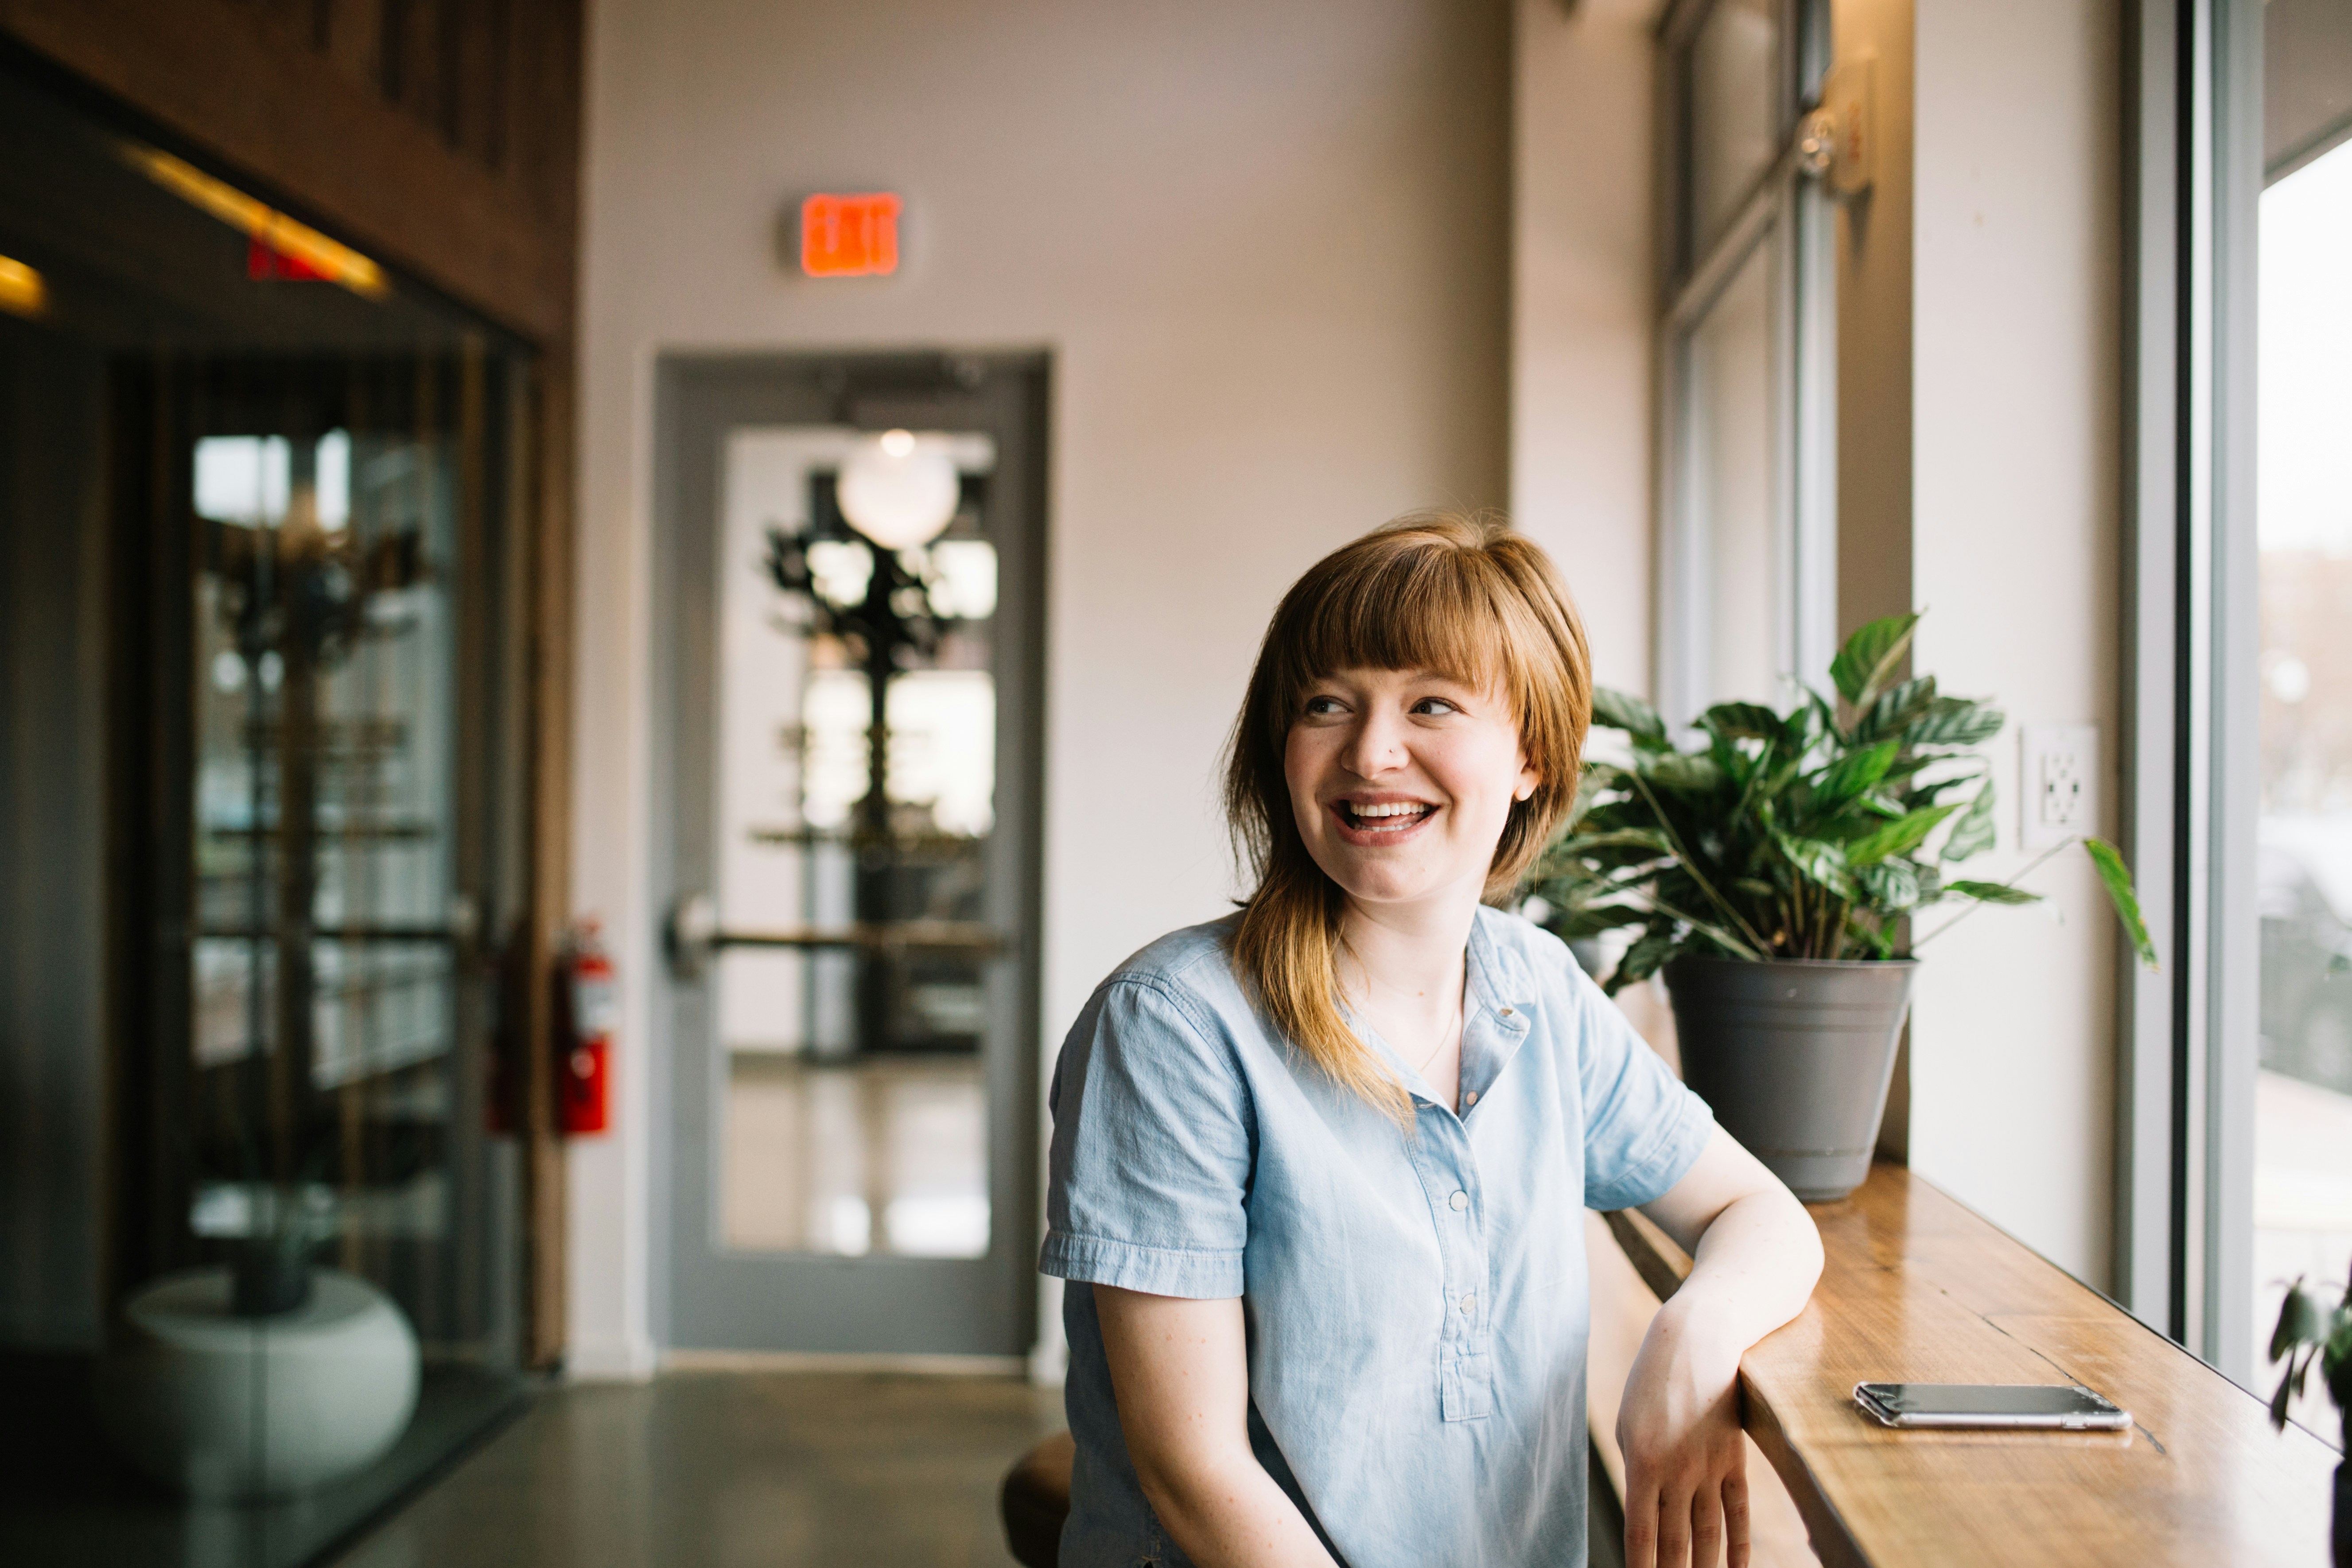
column 306, row 133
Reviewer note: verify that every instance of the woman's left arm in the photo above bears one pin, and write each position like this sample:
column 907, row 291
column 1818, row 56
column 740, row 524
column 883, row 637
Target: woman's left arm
column 1756, row 1255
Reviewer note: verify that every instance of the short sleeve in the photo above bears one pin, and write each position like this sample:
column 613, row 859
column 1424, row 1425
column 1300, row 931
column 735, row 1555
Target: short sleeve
column 1148, row 1180
column 1642, row 1130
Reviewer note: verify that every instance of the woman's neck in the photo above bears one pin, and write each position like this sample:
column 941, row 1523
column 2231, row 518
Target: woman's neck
column 1407, row 958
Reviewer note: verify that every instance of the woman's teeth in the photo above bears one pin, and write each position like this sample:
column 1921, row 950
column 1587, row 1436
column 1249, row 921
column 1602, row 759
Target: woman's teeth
column 1388, row 819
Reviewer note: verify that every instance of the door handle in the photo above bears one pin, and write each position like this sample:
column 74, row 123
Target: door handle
column 694, row 934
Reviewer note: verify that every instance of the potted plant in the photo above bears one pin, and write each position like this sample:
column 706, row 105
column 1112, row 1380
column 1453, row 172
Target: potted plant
column 1770, row 870
column 2309, row 1335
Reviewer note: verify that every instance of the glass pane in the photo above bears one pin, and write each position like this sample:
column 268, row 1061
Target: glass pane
column 2302, row 1100
column 299, row 1288
column 856, row 1111
column 1735, row 110
column 1729, row 429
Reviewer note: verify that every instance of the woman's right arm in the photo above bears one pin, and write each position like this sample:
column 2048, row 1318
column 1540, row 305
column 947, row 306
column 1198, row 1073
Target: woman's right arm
column 1179, row 1369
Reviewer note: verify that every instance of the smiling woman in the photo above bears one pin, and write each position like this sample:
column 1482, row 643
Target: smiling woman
column 1320, row 1163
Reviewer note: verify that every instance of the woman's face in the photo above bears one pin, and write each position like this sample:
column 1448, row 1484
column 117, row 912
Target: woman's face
column 1402, row 782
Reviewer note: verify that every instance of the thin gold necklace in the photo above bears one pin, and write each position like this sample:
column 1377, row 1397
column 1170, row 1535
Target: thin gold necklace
column 1442, row 1036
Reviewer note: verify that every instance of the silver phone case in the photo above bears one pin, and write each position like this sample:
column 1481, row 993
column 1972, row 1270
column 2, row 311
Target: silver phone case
column 2119, row 1421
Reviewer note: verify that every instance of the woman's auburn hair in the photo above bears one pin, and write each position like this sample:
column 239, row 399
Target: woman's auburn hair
column 1455, row 594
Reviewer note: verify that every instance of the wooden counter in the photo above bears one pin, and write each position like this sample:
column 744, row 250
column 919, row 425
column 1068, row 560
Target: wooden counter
column 1919, row 1289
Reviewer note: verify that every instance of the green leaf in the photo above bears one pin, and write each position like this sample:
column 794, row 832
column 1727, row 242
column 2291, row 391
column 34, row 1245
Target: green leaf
column 1955, row 721
column 1818, row 860
column 1593, row 919
column 1973, row 834
column 2300, row 1322
column 1893, row 885
column 1871, row 657
column 1644, row 958
column 2117, row 878
column 1896, row 709
column 1741, row 721
column 1853, row 773
column 1992, row 892
column 1616, row 710
column 1685, row 773
column 2279, row 1400
column 1900, row 837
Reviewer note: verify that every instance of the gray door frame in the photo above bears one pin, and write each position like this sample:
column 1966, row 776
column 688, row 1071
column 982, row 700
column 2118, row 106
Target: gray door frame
column 708, row 1298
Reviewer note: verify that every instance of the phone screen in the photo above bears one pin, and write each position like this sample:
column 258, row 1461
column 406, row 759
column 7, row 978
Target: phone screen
column 1990, row 1404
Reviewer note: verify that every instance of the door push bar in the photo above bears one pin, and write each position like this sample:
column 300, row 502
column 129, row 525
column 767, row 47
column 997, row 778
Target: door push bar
column 693, row 934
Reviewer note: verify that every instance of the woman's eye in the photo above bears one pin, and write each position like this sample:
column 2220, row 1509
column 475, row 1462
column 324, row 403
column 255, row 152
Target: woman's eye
column 1436, row 705
column 1321, row 707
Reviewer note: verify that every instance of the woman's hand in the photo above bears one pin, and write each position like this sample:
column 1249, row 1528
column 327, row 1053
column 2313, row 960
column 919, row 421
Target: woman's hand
column 1754, row 1258
column 1686, row 1462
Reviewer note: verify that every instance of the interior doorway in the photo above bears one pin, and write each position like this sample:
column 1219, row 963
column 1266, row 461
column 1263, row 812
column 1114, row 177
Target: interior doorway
column 851, row 569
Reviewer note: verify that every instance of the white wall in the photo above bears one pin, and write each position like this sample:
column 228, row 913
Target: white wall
column 1584, row 308
column 1267, row 247
column 2016, row 381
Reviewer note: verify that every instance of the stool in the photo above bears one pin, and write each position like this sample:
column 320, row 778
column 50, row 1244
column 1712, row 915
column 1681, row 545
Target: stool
column 1036, row 1499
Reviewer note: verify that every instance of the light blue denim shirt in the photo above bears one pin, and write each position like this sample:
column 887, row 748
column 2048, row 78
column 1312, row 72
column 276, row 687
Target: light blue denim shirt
column 1416, row 1307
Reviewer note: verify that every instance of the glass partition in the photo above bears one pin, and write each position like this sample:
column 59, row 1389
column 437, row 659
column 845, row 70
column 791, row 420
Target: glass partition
column 267, row 494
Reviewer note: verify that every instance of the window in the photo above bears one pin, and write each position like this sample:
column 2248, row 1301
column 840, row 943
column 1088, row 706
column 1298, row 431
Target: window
column 1747, row 572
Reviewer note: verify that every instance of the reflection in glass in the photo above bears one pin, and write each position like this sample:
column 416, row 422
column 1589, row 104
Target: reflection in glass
column 1729, row 430
column 1735, row 110
column 856, row 1111
column 267, row 523
column 2302, row 1099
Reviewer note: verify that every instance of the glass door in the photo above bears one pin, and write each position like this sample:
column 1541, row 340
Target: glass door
column 855, row 546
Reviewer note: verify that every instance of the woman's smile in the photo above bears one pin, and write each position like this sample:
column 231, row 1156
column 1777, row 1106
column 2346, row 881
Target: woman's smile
column 1378, row 821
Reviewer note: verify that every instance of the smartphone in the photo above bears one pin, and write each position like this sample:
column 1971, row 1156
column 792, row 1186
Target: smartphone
column 2067, row 1407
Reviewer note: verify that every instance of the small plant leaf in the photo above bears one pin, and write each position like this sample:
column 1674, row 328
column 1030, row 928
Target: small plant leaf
column 1870, row 657
column 1853, row 773
column 2117, row 879
column 1616, row 710
column 1895, row 710
column 1991, row 892
column 1741, row 721
column 1685, row 773
column 2279, row 1400
column 1644, row 958
column 1900, row 837
column 1893, row 885
column 2300, row 1322
column 1955, row 721
column 1974, row 831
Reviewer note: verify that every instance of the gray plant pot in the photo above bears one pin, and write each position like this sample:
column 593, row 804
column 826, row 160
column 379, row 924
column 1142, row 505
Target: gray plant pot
column 1794, row 1056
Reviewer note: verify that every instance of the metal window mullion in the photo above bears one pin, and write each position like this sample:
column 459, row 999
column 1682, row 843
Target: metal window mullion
column 2232, row 1014
column 2148, row 1157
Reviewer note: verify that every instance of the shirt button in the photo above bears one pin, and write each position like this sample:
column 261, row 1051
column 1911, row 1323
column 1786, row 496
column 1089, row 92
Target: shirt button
column 1470, row 1304
column 1471, row 1098
column 1460, row 1200
column 1507, row 1012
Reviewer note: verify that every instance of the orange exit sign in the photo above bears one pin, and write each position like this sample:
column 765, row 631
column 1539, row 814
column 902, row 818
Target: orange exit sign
column 850, row 236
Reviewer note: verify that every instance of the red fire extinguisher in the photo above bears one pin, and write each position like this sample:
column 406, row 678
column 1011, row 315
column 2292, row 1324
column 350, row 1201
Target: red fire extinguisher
column 584, row 1072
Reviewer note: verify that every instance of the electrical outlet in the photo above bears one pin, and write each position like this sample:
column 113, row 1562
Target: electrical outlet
column 2058, row 784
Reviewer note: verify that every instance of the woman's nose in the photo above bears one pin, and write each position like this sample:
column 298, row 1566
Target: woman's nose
column 1375, row 748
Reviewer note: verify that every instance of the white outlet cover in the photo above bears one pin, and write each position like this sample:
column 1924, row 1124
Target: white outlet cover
column 2057, row 784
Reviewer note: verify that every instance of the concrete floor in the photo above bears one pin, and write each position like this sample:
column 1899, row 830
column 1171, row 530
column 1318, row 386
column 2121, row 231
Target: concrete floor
column 711, row 1469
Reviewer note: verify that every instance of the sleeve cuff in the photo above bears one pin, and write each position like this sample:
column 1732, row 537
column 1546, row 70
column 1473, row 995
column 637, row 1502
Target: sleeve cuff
column 1667, row 1162
column 1152, row 1271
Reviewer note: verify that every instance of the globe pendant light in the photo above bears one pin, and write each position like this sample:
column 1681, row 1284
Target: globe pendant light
column 899, row 490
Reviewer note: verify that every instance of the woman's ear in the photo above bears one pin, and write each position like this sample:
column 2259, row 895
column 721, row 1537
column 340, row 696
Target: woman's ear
column 1528, row 779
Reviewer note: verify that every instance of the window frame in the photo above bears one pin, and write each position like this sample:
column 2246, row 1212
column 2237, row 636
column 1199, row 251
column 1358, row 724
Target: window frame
column 1794, row 218
column 2187, row 1032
